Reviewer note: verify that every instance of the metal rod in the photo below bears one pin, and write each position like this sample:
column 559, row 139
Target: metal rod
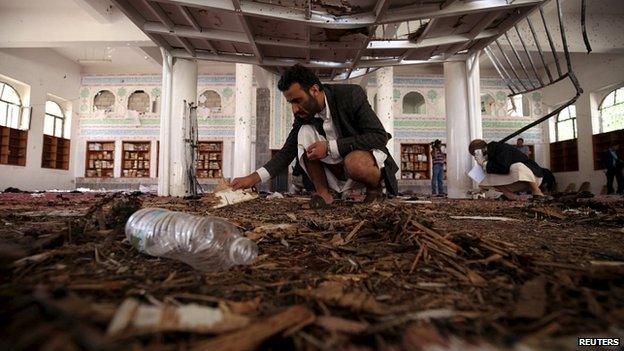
column 526, row 72
column 550, row 41
column 539, row 49
column 566, row 50
column 570, row 74
column 538, row 88
column 539, row 121
column 502, row 67
column 583, row 14
column 524, row 87
column 498, row 70
column 526, row 51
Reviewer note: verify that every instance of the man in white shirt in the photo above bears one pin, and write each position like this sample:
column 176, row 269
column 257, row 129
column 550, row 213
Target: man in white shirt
column 336, row 136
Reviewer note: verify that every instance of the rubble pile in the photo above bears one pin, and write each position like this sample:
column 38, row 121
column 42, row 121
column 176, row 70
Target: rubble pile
column 470, row 274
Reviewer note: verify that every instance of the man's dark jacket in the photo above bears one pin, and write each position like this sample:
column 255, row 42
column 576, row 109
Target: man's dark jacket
column 609, row 161
column 357, row 128
column 502, row 155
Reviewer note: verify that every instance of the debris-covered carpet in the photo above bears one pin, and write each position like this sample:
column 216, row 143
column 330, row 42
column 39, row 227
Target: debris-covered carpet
column 394, row 276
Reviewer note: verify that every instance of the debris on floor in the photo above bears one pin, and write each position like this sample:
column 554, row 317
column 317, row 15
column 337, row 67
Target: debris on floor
column 229, row 196
column 445, row 275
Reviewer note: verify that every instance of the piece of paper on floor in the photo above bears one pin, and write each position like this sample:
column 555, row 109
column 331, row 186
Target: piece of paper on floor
column 477, row 174
column 485, row 218
column 230, row 197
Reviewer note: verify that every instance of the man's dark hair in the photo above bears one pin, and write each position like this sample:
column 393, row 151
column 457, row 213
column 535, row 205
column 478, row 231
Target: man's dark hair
column 521, row 139
column 301, row 75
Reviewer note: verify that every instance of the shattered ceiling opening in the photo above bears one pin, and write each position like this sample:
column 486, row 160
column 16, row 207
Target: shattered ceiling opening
column 340, row 39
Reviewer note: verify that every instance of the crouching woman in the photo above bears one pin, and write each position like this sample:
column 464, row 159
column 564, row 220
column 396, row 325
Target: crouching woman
column 507, row 169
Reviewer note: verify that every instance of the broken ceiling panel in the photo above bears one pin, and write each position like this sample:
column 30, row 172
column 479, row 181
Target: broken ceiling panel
column 326, row 35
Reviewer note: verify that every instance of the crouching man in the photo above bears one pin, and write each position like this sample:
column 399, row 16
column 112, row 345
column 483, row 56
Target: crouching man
column 508, row 170
column 336, row 136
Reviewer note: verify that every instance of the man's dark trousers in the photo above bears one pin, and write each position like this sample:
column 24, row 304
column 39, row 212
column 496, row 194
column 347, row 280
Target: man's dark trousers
column 615, row 172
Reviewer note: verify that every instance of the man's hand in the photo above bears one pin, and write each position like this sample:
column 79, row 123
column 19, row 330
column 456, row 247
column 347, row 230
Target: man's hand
column 245, row 182
column 317, row 151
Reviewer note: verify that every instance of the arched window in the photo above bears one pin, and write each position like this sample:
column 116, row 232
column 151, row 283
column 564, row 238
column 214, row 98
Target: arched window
column 612, row 111
column 139, row 101
column 487, row 105
column 414, row 103
column 211, row 100
column 54, row 122
column 565, row 126
column 104, row 100
column 10, row 106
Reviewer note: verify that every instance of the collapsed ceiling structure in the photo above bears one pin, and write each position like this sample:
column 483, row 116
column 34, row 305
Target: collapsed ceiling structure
column 339, row 39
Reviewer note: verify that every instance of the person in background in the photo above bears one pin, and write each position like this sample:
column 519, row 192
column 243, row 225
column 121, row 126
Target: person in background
column 438, row 159
column 614, row 165
column 523, row 148
column 508, row 170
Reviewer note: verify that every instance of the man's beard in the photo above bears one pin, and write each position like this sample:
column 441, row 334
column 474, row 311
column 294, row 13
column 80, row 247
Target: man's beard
column 312, row 107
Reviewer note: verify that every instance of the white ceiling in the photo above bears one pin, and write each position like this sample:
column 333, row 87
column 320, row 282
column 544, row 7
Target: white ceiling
column 75, row 29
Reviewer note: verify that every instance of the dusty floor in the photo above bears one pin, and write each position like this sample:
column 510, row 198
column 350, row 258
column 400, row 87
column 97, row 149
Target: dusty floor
column 386, row 276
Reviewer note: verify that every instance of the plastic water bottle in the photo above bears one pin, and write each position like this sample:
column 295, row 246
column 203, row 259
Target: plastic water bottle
column 206, row 243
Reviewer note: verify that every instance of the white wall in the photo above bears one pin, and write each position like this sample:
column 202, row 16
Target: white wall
column 46, row 73
column 598, row 74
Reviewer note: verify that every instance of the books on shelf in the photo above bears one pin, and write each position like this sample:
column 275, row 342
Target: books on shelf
column 136, row 159
column 209, row 160
column 100, row 159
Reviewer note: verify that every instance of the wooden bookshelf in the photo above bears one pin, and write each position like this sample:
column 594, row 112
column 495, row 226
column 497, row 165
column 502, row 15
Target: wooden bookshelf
column 564, row 156
column 136, row 159
column 55, row 152
column 100, row 159
column 601, row 143
column 415, row 161
column 210, row 159
column 13, row 144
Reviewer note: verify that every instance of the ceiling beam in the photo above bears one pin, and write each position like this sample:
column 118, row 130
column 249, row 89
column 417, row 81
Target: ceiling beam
column 236, row 37
column 188, row 16
column 139, row 21
column 483, row 23
column 432, row 22
column 281, row 62
column 506, row 25
column 150, row 53
column 159, row 13
column 188, row 32
column 247, row 28
column 100, row 10
column 405, row 13
column 379, row 10
column 186, row 44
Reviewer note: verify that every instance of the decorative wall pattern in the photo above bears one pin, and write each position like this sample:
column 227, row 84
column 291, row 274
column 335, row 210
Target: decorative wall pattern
column 120, row 123
column 432, row 124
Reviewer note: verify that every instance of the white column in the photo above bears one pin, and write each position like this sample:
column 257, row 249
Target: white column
column 473, row 84
column 165, row 123
column 242, row 120
column 458, row 158
column 473, row 78
column 385, row 102
column 183, row 91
